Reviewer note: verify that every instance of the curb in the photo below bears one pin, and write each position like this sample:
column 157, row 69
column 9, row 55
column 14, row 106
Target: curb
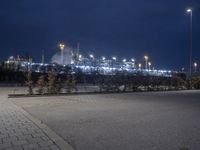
column 64, row 94
column 60, row 142
column 84, row 93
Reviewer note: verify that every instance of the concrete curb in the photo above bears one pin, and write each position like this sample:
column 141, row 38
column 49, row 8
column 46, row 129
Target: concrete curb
column 60, row 142
column 64, row 94
column 83, row 93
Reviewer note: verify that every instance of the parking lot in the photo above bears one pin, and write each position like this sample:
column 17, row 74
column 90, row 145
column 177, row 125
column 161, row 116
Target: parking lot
column 131, row 121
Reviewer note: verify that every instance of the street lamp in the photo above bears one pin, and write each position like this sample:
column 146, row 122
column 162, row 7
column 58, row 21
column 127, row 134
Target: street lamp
column 62, row 47
column 189, row 11
column 103, row 58
column 149, row 64
column 195, row 67
column 124, row 64
column 92, row 62
column 146, row 61
column 140, row 66
column 124, row 60
column 79, row 59
column 91, row 56
column 133, row 60
column 114, row 59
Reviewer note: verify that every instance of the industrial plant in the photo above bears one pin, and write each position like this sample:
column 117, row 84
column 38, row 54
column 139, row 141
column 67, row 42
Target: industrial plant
column 69, row 61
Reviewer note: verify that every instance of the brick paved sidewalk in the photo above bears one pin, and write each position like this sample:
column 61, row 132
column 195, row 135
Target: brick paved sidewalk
column 19, row 131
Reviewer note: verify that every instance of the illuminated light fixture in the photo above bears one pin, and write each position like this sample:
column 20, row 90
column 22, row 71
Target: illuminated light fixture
column 91, row 56
column 149, row 64
column 146, row 57
column 133, row 60
column 80, row 56
column 62, row 46
column 195, row 64
column 114, row 58
column 189, row 10
column 124, row 60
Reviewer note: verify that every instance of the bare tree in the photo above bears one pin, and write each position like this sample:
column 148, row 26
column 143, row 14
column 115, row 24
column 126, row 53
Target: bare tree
column 178, row 82
column 51, row 85
column 58, row 85
column 41, row 85
column 74, row 83
column 196, row 82
column 68, row 84
column 29, row 82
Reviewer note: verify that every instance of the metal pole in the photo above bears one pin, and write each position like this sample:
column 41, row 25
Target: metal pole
column 146, row 65
column 62, row 56
column 190, row 69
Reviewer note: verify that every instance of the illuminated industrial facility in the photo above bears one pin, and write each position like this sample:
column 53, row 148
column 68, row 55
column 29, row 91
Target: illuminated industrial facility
column 86, row 65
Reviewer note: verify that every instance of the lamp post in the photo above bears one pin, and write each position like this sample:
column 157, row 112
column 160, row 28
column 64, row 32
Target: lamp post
column 103, row 61
column 189, row 11
column 113, row 59
column 149, row 64
column 62, row 47
column 133, row 62
column 79, row 59
column 103, row 58
column 195, row 67
column 146, row 61
column 92, row 62
column 140, row 66
column 124, row 64
column 91, row 56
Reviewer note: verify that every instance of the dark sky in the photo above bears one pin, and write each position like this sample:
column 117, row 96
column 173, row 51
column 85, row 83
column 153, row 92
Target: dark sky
column 124, row 28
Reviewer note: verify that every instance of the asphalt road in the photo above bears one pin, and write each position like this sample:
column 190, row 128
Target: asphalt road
column 136, row 121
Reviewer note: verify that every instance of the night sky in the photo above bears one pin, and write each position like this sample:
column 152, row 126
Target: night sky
column 123, row 28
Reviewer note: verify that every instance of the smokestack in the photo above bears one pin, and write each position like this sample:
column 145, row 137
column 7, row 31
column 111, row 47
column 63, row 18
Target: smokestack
column 78, row 46
column 42, row 56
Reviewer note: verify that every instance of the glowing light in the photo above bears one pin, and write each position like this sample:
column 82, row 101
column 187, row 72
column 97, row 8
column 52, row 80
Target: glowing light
column 146, row 57
column 189, row 10
column 195, row 64
column 114, row 58
column 124, row 60
column 62, row 46
column 72, row 62
column 91, row 56
column 103, row 58
column 80, row 57
column 133, row 60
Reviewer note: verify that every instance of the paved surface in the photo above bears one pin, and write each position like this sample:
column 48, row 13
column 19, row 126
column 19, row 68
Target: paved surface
column 136, row 121
column 17, row 129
